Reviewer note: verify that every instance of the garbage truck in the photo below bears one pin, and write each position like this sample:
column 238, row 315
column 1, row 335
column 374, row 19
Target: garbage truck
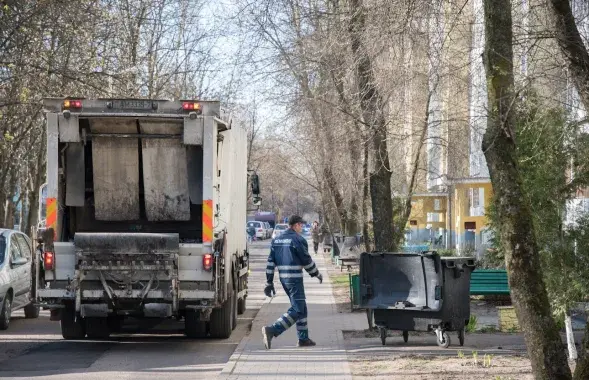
column 144, row 208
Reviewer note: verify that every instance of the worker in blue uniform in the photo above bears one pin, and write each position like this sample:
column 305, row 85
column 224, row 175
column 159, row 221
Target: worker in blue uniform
column 289, row 253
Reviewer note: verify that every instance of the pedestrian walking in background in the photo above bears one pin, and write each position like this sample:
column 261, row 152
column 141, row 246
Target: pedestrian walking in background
column 289, row 253
column 316, row 236
column 251, row 233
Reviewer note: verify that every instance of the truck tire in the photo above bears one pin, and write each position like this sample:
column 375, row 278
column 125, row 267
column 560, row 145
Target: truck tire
column 193, row 326
column 115, row 323
column 222, row 320
column 234, row 312
column 31, row 311
column 97, row 328
column 71, row 327
column 241, row 305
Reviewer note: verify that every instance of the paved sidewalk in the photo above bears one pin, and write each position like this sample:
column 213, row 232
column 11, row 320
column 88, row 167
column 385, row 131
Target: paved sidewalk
column 327, row 360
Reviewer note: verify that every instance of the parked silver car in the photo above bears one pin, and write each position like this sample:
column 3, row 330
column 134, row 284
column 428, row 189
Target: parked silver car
column 16, row 276
column 279, row 229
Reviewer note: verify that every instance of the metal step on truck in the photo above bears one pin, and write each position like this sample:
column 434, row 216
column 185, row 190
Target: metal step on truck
column 145, row 206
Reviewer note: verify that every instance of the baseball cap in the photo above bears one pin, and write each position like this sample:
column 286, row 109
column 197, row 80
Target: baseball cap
column 295, row 219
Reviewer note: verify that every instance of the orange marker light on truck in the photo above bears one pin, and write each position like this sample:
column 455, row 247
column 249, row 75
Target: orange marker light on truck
column 207, row 262
column 49, row 261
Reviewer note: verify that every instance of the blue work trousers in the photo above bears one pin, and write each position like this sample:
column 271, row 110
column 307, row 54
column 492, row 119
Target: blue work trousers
column 297, row 312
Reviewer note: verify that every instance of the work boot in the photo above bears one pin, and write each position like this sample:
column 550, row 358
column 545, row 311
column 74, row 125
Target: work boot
column 267, row 335
column 306, row 343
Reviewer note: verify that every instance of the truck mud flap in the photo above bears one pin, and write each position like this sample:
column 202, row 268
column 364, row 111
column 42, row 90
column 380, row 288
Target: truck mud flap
column 87, row 243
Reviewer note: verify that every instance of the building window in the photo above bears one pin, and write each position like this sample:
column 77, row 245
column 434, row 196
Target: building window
column 413, row 223
column 437, row 205
column 476, row 201
column 475, row 197
column 434, row 217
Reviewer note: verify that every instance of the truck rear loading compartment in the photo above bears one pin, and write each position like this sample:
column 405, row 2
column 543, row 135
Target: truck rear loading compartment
column 147, row 200
column 133, row 184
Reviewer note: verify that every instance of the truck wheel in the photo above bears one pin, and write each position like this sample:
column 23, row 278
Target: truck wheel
column 72, row 327
column 31, row 311
column 221, row 320
column 241, row 305
column 193, row 326
column 115, row 323
column 234, row 312
column 97, row 328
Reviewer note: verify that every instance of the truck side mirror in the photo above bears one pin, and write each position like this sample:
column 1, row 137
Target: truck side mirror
column 255, row 184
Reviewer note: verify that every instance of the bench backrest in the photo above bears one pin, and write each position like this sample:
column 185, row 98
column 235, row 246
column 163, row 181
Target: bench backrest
column 489, row 281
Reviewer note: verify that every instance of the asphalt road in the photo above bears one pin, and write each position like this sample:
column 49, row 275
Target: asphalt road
column 34, row 348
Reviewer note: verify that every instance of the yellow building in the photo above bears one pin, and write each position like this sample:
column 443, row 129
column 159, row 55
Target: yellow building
column 453, row 219
column 428, row 219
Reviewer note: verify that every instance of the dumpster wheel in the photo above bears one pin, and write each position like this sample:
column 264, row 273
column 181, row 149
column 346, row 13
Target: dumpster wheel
column 383, row 335
column 445, row 341
column 405, row 336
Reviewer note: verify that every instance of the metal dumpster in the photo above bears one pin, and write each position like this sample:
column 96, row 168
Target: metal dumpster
column 416, row 292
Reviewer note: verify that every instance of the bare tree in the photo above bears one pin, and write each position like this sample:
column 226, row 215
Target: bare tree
column 517, row 233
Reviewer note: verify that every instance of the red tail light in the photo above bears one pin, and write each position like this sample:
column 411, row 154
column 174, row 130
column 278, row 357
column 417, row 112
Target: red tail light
column 260, row 230
column 207, row 261
column 191, row 106
column 49, row 261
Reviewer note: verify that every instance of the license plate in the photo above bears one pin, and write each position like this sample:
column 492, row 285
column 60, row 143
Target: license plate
column 133, row 104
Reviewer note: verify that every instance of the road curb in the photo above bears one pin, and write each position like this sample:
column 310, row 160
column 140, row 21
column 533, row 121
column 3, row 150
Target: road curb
column 232, row 362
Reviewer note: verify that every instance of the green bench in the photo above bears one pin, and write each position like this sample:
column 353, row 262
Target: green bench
column 484, row 282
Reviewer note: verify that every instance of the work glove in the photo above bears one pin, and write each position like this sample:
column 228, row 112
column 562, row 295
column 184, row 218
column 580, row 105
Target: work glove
column 269, row 290
column 320, row 278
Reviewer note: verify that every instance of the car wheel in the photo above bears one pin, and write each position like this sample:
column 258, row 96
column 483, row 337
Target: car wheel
column 5, row 312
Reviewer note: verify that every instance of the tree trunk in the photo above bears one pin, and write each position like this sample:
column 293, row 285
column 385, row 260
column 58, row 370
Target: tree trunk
column 406, row 209
column 338, row 200
column 571, row 44
column 582, row 368
column 338, row 77
column 516, row 231
column 365, row 200
column 373, row 113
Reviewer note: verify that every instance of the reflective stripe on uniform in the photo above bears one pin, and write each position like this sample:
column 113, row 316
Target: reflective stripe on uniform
column 290, row 319
column 269, row 271
column 309, row 266
column 313, row 271
column 289, row 267
column 291, row 275
column 284, row 323
column 270, row 264
column 302, row 328
column 302, row 320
